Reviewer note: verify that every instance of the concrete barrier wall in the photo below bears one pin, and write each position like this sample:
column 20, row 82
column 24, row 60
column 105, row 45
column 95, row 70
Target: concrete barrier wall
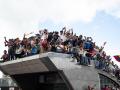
column 79, row 76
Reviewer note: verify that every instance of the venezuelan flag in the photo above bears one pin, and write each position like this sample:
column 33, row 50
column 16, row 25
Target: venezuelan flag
column 117, row 57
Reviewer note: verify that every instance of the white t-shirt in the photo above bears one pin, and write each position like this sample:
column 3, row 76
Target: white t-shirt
column 81, row 51
column 84, row 53
column 32, row 42
column 19, row 50
column 44, row 36
column 63, row 37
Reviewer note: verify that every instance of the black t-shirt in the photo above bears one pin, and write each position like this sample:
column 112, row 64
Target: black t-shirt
column 55, row 37
column 50, row 36
column 74, row 42
column 53, row 49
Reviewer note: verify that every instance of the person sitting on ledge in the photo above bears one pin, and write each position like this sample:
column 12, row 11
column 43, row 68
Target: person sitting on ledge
column 5, row 56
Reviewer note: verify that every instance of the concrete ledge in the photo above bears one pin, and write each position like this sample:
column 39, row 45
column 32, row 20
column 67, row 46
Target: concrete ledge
column 79, row 76
column 108, row 75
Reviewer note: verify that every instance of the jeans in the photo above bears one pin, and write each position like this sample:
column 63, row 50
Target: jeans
column 85, row 60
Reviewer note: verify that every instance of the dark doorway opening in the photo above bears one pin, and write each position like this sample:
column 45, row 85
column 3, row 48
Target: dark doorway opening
column 41, row 81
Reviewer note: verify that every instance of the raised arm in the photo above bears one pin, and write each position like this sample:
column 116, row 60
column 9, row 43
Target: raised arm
column 24, row 36
column 5, row 39
column 85, row 38
column 64, row 30
column 71, row 31
column 6, row 42
column 90, row 38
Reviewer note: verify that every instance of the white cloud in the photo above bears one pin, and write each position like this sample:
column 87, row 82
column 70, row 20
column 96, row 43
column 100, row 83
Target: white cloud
column 20, row 11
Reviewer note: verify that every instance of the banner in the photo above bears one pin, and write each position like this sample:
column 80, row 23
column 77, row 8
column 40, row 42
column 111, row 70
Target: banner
column 117, row 57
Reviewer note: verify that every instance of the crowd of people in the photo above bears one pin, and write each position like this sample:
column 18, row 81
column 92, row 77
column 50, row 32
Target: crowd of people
column 106, row 87
column 82, row 48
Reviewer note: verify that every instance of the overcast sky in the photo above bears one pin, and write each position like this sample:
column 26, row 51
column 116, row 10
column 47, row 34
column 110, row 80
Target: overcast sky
column 97, row 18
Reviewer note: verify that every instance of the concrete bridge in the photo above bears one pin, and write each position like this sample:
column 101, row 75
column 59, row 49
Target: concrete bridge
column 52, row 71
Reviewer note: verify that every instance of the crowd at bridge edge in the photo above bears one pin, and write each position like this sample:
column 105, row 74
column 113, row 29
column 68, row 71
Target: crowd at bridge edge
column 82, row 48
